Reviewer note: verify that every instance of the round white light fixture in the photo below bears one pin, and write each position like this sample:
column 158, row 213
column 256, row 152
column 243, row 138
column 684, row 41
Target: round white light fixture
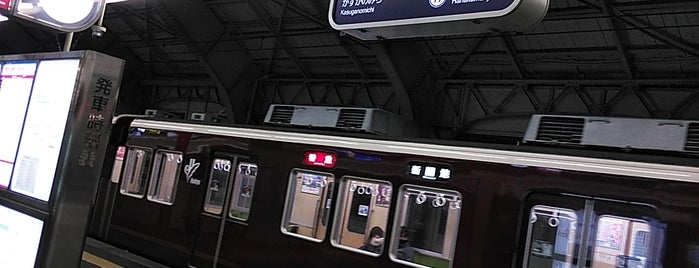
column 68, row 11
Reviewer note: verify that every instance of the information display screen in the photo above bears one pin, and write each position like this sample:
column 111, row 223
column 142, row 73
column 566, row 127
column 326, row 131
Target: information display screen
column 372, row 11
column 35, row 101
column 20, row 235
column 16, row 81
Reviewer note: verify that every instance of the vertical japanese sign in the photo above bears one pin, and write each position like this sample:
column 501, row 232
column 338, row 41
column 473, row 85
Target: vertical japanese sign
column 91, row 140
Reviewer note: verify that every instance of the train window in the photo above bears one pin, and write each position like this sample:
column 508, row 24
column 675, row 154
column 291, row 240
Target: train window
column 163, row 179
column 551, row 237
column 425, row 226
column 308, row 202
column 218, row 183
column 362, row 214
column 134, row 180
column 621, row 242
column 243, row 189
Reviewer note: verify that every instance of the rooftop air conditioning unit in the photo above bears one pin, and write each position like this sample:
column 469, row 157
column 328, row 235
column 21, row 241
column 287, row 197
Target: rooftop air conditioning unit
column 630, row 133
column 160, row 114
column 207, row 117
column 367, row 120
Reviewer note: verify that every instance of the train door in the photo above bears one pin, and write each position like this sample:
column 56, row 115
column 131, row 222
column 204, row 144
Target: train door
column 229, row 193
column 587, row 232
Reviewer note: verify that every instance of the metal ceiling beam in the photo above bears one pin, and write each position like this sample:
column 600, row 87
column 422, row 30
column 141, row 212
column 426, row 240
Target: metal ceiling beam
column 324, row 23
column 465, row 56
column 353, row 56
column 621, row 38
column 395, row 79
column 207, row 26
column 651, row 30
column 266, row 18
column 177, row 82
column 514, row 57
column 144, row 18
column 153, row 50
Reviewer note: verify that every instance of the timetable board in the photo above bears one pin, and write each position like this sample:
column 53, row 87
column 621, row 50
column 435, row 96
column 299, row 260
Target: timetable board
column 35, row 98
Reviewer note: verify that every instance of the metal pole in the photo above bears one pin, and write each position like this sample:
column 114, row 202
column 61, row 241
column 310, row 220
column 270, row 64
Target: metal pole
column 68, row 42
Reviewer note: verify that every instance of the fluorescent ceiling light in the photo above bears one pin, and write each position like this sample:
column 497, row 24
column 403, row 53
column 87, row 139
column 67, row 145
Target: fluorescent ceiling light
column 3, row 18
column 114, row 1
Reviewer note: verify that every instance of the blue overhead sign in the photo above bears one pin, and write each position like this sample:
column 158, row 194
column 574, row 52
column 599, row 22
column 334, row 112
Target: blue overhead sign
column 363, row 11
column 379, row 19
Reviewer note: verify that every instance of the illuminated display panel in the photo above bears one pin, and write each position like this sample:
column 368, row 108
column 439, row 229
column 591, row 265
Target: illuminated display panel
column 25, row 233
column 16, row 81
column 363, row 11
column 45, row 123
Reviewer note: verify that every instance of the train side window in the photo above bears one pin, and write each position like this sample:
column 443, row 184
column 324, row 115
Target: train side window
column 551, row 237
column 425, row 226
column 621, row 242
column 308, row 201
column 135, row 175
column 243, row 189
column 163, row 179
column 218, row 183
column 362, row 215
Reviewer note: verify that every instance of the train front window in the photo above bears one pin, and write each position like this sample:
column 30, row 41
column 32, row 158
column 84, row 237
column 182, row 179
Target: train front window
column 243, row 189
column 551, row 237
column 308, row 202
column 425, row 226
column 135, row 176
column 163, row 179
column 218, row 183
column 362, row 215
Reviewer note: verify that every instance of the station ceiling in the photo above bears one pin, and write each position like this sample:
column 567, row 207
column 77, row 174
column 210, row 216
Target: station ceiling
column 233, row 58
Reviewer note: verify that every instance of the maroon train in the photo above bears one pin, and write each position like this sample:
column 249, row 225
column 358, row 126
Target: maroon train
column 195, row 195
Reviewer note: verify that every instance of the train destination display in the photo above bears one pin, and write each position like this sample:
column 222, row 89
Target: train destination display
column 38, row 96
column 383, row 19
column 25, row 233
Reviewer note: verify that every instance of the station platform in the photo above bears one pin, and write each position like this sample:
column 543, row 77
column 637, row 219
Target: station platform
column 102, row 255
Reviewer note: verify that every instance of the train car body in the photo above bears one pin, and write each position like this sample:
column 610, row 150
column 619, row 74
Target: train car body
column 192, row 195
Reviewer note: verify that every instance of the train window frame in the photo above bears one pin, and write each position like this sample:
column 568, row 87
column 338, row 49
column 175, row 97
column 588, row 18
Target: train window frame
column 286, row 226
column 156, row 176
column 237, row 181
column 143, row 176
column 554, row 222
column 342, row 209
column 401, row 229
column 206, row 207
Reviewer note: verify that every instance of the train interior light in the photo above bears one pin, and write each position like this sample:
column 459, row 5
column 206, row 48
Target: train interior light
column 322, row 159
